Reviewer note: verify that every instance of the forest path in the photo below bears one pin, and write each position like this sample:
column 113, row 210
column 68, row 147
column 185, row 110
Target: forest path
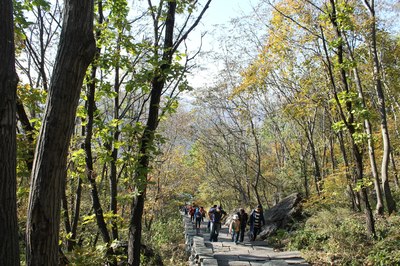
column 249, row 253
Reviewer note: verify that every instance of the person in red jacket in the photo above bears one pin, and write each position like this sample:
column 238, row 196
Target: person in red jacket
column 192, row 210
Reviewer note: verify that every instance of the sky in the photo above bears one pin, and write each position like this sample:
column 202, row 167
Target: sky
column 220, row 13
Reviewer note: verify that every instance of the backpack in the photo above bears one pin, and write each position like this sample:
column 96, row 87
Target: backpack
column 198, row 213
column 243, row 218
column 217, row 217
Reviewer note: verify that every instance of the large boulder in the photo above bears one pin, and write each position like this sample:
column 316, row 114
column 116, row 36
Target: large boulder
column 281, row 215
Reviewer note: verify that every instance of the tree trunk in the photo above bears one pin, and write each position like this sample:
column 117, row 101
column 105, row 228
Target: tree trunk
column 90, row 173
column 29, row 132
column 41, row 63
column 145, row 143
column 390, row 203
column 332, row 153
column 75, row 52
column 353, row 196
column 363, row 192
column 371, row 148
column 76, row 213
column 303, row 169
column 349, row 122
column 64, row 204
column 9, row 246
column 258, row 161
column 158, row 82
column 396, row 175
column 317, row 171
column 114, row 152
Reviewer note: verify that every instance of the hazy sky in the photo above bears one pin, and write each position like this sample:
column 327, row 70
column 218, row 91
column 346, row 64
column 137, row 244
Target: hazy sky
column 219, row 13
column 222, row 11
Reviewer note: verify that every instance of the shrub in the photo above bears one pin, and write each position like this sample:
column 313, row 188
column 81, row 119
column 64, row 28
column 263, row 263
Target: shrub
column 386, row 251
column 167, row 239
column 337, row 233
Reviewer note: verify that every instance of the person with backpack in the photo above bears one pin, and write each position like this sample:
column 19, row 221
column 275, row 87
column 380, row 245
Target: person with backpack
column 216, row 216
column 211, row 210
column 198, row 217
column 256, row 221
column 243, row 217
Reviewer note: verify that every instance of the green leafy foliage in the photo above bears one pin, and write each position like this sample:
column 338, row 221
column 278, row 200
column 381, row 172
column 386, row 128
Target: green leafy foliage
column 32, row 98
column 167, row 239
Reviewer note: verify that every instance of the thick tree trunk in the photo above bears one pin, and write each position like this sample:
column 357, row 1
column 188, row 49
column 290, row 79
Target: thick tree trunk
column 75, row 52
column 9, row 246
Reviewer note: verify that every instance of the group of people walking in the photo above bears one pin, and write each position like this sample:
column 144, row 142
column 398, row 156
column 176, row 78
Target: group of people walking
column 237, row 226
column 197, row 215
column 240, row 220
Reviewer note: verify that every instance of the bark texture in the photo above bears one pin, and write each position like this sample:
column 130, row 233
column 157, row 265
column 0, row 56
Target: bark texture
column 9, row 252
column 75, row 52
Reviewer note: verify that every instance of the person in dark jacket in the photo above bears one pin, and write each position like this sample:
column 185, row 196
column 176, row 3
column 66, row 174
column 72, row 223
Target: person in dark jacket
column 216, row 216
column 256, row 221
column 243, row 217
column 210, row 211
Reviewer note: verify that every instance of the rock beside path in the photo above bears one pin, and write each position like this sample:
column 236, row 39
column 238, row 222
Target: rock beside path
column 281, row 215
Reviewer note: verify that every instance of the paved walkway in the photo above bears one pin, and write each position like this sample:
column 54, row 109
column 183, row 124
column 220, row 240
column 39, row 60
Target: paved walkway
column 255, row 253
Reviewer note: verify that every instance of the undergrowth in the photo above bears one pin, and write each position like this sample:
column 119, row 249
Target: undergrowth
column 336, row 235
column 163, row 244
column 167, row 239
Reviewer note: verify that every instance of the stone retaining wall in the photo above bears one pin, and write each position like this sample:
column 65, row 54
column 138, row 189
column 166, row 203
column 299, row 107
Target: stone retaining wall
column 199, row 254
